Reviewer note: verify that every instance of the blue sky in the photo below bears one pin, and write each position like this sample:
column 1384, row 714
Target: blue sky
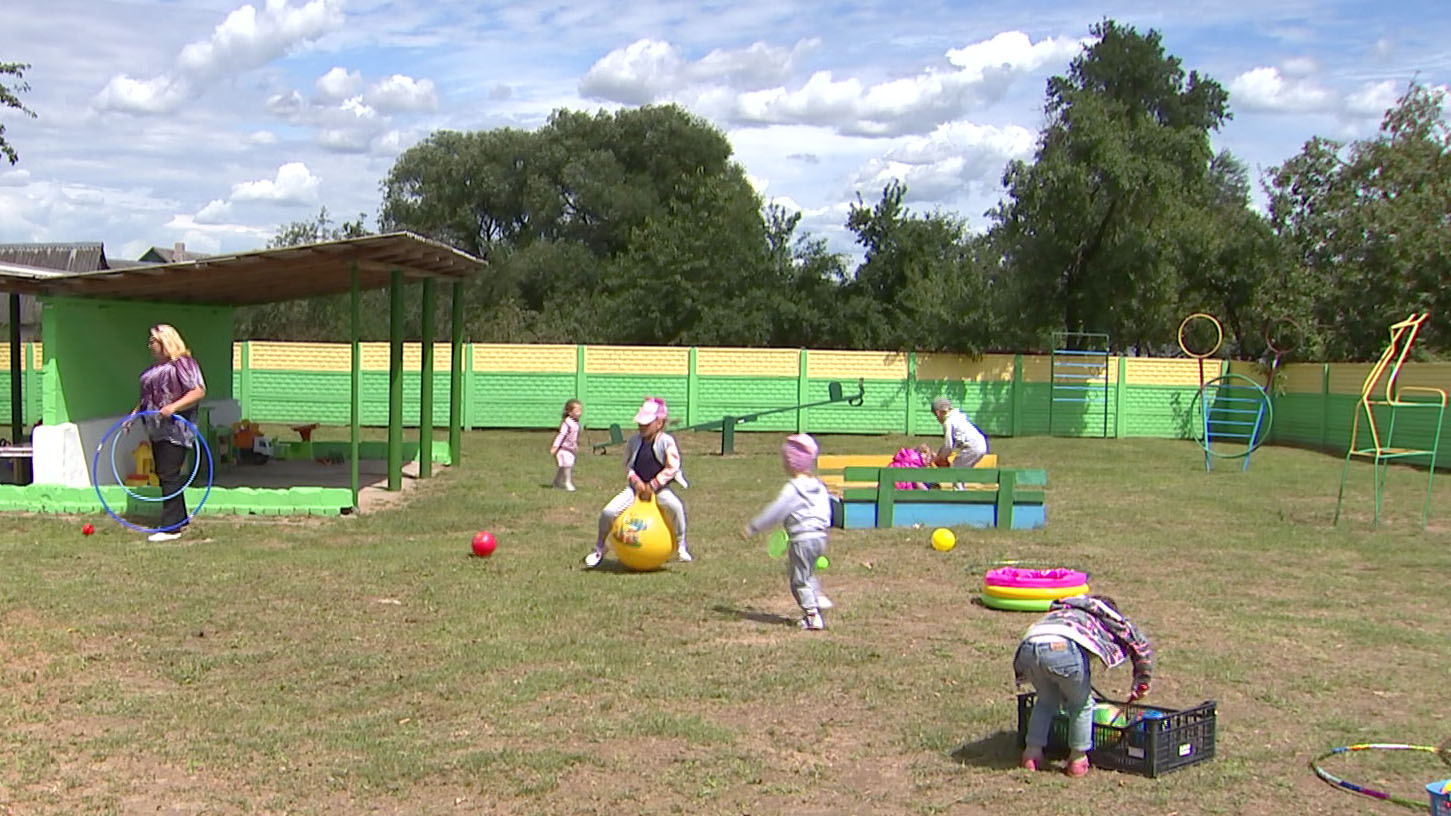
column 214, row 122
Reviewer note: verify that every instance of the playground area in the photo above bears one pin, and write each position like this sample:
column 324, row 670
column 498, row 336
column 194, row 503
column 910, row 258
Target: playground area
column 370, row 664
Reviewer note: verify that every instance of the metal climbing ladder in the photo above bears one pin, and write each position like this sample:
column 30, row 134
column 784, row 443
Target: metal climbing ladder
column 1079, row 366
column 1234, row 411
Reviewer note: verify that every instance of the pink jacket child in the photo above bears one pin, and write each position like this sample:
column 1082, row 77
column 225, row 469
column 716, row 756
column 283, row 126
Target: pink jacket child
column 911, row 458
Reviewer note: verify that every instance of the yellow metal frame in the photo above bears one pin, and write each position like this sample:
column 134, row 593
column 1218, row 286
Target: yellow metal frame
column 1382, row 450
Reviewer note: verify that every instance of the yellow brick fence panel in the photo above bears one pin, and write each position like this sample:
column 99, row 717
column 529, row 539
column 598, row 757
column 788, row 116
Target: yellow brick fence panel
column 988, row 368
column 747, row 362
column 853, row 365
column 666, row 361
column 526, row 359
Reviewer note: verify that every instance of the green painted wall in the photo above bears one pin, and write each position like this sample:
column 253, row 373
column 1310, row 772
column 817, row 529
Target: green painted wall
column 95, row 351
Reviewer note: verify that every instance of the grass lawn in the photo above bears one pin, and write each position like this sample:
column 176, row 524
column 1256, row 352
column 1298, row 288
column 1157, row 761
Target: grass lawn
column 370, row 665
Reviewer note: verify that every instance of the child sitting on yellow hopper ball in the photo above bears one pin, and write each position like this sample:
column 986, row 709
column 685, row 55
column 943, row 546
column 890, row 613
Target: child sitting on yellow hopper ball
column 652, row 465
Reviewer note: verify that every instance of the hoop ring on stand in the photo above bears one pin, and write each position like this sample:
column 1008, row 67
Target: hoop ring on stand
column 1218, row 340
column 1276, row 322
column 201, row 448
column 1263, row 431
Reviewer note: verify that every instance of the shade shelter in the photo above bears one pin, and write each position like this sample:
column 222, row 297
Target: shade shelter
column 92, row 319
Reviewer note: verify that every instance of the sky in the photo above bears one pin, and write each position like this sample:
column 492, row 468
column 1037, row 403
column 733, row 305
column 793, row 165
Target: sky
column 214, row 122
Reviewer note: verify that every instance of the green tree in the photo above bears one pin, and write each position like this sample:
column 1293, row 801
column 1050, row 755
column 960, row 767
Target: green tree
column 922, row 284
column 1367, row 226
column 9, row 97
column 625, row 226
column 1092, row 227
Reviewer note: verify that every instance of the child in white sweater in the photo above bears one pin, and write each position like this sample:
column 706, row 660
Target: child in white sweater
column 803, row 507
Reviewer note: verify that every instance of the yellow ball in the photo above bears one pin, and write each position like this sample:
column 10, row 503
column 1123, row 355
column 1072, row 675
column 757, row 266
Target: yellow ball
column 943, row 539
column 641, row 538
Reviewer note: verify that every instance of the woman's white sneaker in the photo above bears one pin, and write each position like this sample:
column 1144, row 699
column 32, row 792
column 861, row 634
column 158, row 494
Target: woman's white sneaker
column 157, row 538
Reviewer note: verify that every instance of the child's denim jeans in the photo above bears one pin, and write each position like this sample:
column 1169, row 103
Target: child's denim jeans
column 1058, row 670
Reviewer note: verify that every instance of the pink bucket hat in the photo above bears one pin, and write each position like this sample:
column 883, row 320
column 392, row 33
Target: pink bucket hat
column 652, row 409
column 798, row 452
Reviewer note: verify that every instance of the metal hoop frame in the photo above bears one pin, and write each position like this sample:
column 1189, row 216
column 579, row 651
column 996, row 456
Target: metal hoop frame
column 200, row 446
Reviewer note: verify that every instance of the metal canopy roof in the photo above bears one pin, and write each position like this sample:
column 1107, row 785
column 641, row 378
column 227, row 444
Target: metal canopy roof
column 263, row 276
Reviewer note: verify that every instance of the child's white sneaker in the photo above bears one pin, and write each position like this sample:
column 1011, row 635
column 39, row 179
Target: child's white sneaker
column 594, row 559
column 157, row 538
column 823, row 603
column 684, row 554
column 812, row 621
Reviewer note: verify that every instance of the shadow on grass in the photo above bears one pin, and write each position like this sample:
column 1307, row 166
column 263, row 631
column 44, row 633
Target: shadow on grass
column 999, row 751
column 770, row 618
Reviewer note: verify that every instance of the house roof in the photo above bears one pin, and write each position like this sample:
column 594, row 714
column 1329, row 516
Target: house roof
column 86, row 256
column 263, row 276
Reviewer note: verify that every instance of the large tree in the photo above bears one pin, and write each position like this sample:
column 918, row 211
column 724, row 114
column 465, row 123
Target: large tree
column 9, row 98
column 625, row 226
column 1092, row 226
column 1369, row 227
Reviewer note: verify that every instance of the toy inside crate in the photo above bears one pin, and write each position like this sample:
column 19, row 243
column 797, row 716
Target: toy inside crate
column 1165, row 740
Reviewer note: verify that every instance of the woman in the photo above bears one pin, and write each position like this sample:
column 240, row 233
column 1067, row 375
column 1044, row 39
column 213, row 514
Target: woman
column 172, row 388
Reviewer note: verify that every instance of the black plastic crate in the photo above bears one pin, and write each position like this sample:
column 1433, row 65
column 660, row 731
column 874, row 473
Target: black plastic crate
column 1151, row 747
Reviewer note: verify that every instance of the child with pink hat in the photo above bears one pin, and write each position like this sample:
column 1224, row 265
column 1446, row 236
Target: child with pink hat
column 803, row 507
column 652, row 465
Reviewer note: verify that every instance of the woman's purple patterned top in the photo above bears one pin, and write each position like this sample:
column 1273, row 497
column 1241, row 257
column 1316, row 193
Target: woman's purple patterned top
column 163, row 384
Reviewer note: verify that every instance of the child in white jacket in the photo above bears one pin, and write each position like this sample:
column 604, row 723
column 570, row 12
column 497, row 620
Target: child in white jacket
column 803, row 507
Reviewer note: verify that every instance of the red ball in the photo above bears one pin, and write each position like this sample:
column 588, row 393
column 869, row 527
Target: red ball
column 484, row 544
column 88, row 529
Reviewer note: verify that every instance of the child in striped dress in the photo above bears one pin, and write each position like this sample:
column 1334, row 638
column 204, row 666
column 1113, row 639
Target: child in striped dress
column 566, row 445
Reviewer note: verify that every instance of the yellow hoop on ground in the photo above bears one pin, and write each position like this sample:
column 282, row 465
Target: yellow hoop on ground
column 1034, row 593
column 1218, row 330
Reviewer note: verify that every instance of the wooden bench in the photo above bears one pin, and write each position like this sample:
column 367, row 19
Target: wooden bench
column 997, row 497
column 830, row 468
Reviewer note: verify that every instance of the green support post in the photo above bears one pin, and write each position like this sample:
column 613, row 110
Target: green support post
column 886, row 498
column 354, row 396
column 425, row 389
column 579, row 377
column 727, row 435
column 244, row 385
column 911, row 390
column 1324, row 406
column 456, row 374
column 395, row 380
column 1007, row 483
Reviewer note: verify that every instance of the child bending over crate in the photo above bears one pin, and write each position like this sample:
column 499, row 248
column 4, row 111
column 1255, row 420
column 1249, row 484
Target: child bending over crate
column 1054, row 657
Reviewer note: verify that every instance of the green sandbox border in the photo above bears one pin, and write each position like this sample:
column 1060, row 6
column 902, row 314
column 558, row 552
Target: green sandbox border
column 301, row 500
column 240, row 501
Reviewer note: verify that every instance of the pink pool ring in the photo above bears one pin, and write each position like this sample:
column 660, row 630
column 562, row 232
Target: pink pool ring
column 1058, row 578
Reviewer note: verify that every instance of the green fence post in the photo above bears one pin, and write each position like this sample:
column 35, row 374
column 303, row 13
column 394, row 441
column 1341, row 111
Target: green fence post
column 1118, row 398
column 803, row 390
column 244, row 381
column 579, row 374
column 692, row 391
column 1324, row 406
column 909, row 392
column 1015, row 397
column 355, row 376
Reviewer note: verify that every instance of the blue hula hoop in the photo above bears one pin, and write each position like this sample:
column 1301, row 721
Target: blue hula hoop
column 200, row 446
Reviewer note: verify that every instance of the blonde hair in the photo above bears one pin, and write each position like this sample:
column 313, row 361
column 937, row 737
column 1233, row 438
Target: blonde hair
column 171, row 343
column 570, row 404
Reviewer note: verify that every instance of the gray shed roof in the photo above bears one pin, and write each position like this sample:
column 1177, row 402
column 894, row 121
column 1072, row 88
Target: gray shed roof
column 84, row 256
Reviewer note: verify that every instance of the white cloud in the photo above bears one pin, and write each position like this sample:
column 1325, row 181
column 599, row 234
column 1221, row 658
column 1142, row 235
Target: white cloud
column 747, row 86
column 338, row 83
column 1266, row 89
column 288, row 105
column 340, row 140
column 945, row 165
column 262, row 137
column 294, row 184
column 245, row 40
column 647, row 70
column 1373, row 99
column 216, row 211
column 1012, row 52
column 15, row 178
column 402, row 93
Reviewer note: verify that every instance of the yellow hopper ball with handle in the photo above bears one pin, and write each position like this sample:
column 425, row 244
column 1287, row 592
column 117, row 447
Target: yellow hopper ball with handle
column 641, row 538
